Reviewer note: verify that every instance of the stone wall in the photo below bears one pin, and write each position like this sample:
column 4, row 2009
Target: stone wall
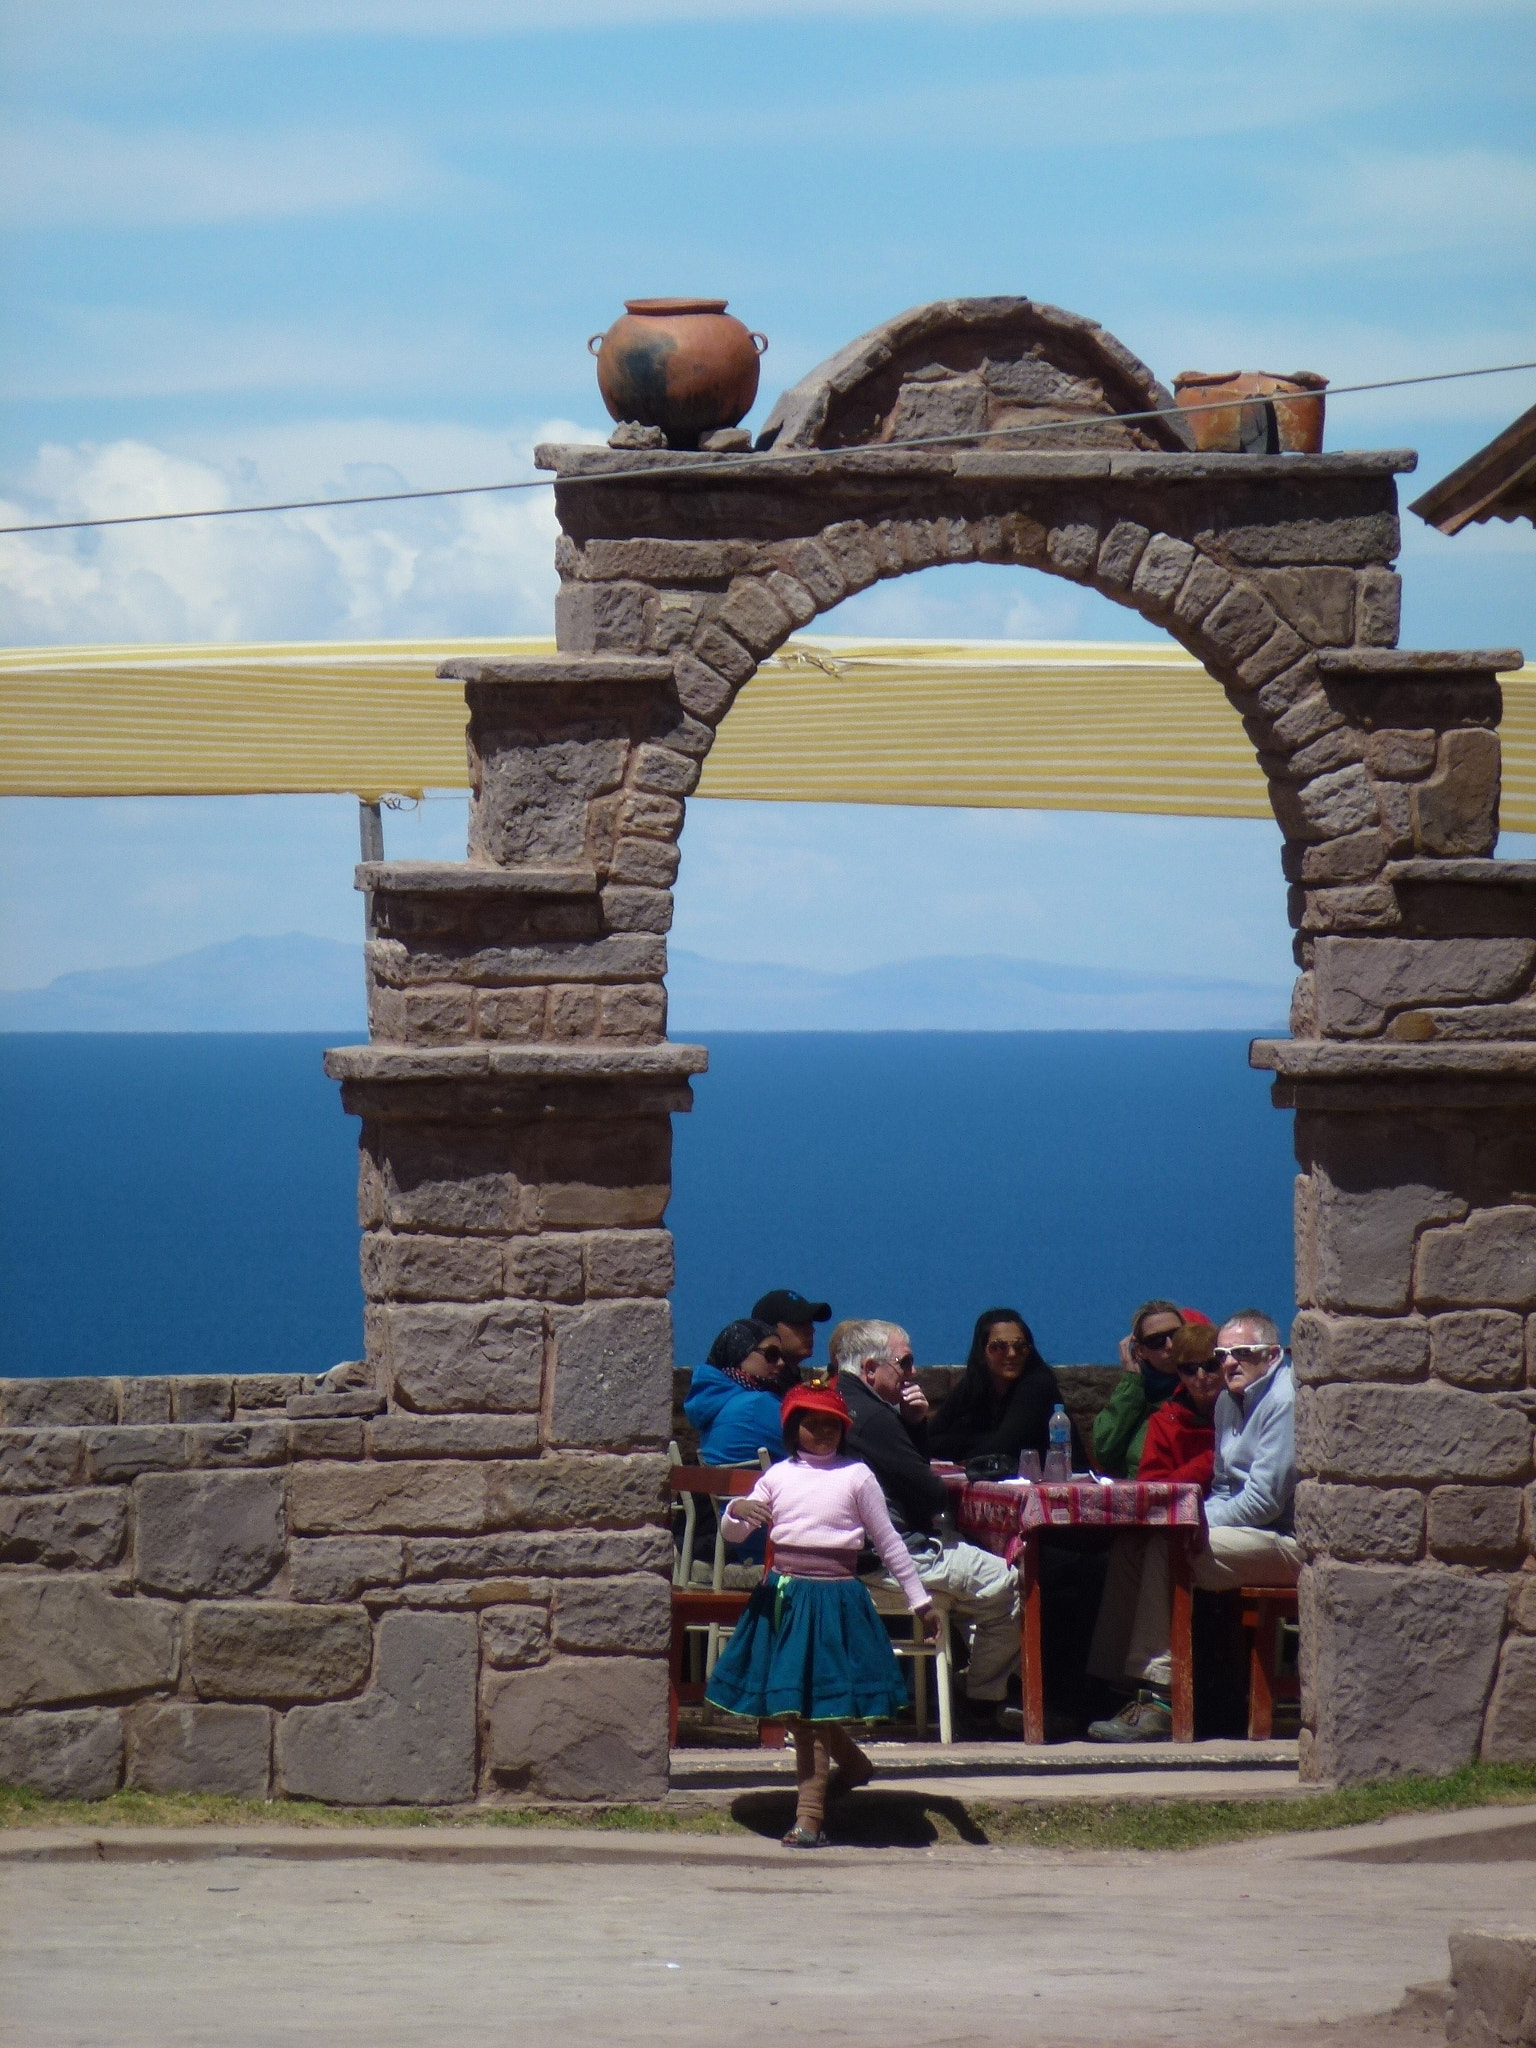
column 250, row 1586
column 459, row 1584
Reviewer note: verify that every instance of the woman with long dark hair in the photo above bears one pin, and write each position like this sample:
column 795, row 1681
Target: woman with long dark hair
column 1003, row 1404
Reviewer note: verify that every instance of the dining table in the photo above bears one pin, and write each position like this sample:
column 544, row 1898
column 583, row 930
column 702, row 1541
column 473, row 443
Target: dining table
column 1009, row 1517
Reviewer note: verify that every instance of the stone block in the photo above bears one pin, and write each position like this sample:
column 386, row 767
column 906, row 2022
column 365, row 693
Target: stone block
column 1479, row 1348
column 719, row 650
column 1239, row 625
column 656, row 817
column 1161, row 571
column 64, row 1639
column 334, row 1437
column 80, row 1531
column 409, row 1739
column 508, row 1013
column 175, row 1746
column 1421, row 1434
column 571, row 1013
column 562, row 1490
column 115, row 1454
column 57, row 1404
column 615, row 1615
column 145, row 1400
column 1365, row 1524
column 1490, row 1259
column 1509, row 1734
column 562, row 1553
column 1493, row 1975
column 265, row 1389
column 600, row 618
column 399, row 1496
column 628, row 1262
column 445, row 1358
column 1455, row 812
column 1072, row 548
column 421, row 1268
column 632, row 1016
column 816, row 567
column 238, row 1444
column 73, row 1755
column 1328, row 807
column 338, row 1568
column 1522, row 1597
column 612, row 1374
column 1475, row 1524
column 276, row 1650
column 1318, row 603
column 1401, row 1660
column 209, row 1397
column 1122, row 549
column 757, row 618
column 1300, row 710
column 1398, row 756
column 794, row 597
column 513, row 1637
column 544, row 1268
column 1378, row 608
column 454, row 1436
column 667, row 773
column 39, row 1460
column 1357, row 858
column 579, row 1728
column 207, row 1532
column 1361, row 982
column 650, row 862
column 701, row 689
column 627, row 909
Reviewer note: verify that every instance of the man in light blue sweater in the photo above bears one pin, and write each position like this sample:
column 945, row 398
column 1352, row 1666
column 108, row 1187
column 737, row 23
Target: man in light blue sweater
column 1248, row 1512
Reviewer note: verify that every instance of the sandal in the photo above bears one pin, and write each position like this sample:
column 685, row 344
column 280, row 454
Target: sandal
column 803, row 1838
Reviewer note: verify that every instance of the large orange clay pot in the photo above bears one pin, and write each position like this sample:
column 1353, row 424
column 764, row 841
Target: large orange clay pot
column 684, row 365
column 1269, row 415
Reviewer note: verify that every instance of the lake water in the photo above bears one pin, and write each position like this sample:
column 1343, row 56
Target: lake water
column 187, row 1204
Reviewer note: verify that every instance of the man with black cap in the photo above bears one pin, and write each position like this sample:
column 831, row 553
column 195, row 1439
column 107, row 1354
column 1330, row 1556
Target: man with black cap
column 795, row 1319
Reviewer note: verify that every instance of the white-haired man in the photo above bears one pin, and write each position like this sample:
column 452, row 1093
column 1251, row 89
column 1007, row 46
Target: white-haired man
column 1248, row 1514
column 879, row 1384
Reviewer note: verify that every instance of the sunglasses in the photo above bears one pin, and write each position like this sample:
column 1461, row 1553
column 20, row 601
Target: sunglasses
column 1244, row 1354
column 1160, row 1342
column 1003, row 1345
column 770, row 1354
column 1188, row 1372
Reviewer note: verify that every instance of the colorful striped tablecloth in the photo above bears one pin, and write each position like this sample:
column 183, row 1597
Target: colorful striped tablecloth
column 989, row 1509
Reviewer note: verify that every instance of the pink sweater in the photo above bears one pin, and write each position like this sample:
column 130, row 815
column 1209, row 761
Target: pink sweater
column 831, row 1504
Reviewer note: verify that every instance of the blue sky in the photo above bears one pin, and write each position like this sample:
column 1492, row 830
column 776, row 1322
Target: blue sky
column 283, row 249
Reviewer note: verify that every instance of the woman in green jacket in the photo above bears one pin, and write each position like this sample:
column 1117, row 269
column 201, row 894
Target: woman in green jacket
column 1146, row 1382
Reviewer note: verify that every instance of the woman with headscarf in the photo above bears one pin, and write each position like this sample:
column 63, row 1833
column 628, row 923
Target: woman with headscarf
column 1003, row 1404
column 733, row 1400
column 1147, row 1380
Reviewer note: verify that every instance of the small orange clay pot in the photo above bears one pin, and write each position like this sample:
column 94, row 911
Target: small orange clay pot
column 684, row 365
column 1270, row 414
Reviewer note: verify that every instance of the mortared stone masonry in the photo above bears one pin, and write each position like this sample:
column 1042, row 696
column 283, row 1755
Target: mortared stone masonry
column 450, row 1580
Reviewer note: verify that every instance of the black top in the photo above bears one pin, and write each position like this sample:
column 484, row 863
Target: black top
column 896, row 1451
column 973, row 1422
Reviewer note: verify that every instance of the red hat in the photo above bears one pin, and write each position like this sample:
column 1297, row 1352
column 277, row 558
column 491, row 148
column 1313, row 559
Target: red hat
column 1193, row 1315
column 812, row 1400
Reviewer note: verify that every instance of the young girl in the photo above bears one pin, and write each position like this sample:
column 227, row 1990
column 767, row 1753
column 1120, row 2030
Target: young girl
column 810, row 1648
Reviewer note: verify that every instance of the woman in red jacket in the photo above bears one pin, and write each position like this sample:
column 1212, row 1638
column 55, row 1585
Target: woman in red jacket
column 1180, row 1445
column 1181, row 1435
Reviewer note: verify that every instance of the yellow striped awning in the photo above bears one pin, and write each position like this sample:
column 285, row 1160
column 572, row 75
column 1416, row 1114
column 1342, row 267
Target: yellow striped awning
column 1072, row 725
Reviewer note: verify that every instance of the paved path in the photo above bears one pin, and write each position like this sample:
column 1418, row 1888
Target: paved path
column 564, row 1940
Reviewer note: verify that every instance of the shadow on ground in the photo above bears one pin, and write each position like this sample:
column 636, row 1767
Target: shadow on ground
column 868, row 1819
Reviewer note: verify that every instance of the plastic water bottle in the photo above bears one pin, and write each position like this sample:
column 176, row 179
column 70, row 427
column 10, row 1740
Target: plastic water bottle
column 1058, row 1459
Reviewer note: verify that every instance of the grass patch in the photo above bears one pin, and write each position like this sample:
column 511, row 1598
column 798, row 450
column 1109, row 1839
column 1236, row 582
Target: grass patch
column 1148, row 1824
column 1199, row 1823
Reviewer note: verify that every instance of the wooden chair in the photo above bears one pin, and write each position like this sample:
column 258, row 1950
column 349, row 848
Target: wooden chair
column 694, row 1611
column 1267, row 1610
column 890, row 1602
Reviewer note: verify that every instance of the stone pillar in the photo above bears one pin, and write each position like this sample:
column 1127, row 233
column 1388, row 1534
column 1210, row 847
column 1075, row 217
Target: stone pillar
column 516, row 1103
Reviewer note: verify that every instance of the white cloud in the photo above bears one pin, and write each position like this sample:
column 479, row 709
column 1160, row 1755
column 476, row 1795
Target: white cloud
column 455, row 567
column 60, row 173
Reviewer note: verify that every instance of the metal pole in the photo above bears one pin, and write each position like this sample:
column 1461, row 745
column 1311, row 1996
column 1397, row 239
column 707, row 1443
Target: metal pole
column 370, row 836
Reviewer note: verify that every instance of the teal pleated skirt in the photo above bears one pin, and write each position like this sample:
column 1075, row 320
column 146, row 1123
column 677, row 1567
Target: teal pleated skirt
column 809, row 1650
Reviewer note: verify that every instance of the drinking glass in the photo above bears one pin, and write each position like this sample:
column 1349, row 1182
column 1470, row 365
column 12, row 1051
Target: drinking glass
column 1029, row 1466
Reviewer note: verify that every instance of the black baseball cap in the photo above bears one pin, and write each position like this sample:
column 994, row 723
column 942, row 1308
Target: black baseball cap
column 785, row 1305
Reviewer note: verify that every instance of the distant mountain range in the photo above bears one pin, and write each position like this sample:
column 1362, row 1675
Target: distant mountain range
column 298, row 983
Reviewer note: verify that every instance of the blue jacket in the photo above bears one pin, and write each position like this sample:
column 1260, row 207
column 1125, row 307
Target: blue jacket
column 1255, row 1478
column 732, row 1420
